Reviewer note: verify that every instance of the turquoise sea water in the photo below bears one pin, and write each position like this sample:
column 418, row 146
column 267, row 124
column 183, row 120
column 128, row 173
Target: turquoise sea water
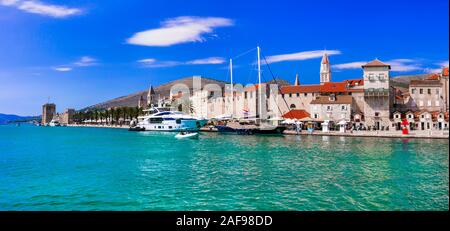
column 43, row 168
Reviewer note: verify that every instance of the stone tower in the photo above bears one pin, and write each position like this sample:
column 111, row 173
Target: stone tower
column 141, row 102
column 325, row 71
column 48, row 111
column 297, row 81
column 150, row 96
column 377, row 94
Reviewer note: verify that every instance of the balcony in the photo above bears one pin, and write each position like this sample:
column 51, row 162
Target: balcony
column 374, row 92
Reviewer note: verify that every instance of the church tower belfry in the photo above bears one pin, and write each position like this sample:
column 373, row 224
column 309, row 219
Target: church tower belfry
column 150, row 96
column 325, row 70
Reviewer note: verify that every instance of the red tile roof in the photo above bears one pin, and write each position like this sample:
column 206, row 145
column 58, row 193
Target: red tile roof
column 333, row 87
column 355, row 82
column 300, row 89
column 330, row 87
column 376, row 63
column 445, row 71
column 433, row 77
column 296, row 114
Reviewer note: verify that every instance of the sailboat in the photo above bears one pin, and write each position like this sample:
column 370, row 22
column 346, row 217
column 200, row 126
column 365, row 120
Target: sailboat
column 264, row 127
column 261, row 126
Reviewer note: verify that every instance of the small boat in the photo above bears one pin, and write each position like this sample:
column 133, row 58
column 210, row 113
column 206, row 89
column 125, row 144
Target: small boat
column 136, row 129
column 187, row 135
column 54, row 123
column 223, row 128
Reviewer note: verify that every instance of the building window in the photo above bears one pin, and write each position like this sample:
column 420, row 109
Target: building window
column 328, row 108
column 245, row 95
column 343, row 108
column 429, row 103
column 292, row 106
column 377, row 114
column 397, row 116
column 437, row 91
column 306, row 94
column 298, row 94
column 421, row 103
column 316, row 116
column 437, row 103
column 413, row 91
column 429, row 91
column 421, row 91
column 290, row 95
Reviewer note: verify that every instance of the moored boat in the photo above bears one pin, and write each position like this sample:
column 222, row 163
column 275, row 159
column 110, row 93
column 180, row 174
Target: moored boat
column 187, row 135
column 163, row 119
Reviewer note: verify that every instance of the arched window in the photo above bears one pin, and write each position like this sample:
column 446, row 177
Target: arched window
column 292, row 106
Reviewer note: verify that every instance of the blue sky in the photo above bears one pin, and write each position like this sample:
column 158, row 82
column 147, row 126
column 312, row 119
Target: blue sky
column 80, row 53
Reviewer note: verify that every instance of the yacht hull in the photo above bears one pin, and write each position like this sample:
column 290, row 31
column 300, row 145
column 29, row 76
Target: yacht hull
column 191, row 125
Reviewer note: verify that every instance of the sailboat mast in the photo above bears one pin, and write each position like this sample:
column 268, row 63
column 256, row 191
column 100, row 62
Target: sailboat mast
column 259, row 82
column 232, row 90
column 231, row 77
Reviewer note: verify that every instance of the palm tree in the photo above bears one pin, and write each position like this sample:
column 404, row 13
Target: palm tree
column 112, row 113
column 107, row 115
column 118, row 113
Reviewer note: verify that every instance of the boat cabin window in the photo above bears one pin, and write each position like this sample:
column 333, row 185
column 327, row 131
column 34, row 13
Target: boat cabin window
column 163, row 113
column 156, row 120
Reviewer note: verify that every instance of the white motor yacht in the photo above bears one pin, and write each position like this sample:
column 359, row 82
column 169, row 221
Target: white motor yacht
column 54, row 123
column 162, row 119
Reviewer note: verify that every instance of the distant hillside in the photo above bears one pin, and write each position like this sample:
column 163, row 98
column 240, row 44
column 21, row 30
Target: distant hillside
column 4, row 118
column 161, row 91
column 403, row 81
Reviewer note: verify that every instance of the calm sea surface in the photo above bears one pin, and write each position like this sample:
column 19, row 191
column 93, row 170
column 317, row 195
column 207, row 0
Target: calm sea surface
column 43, row 168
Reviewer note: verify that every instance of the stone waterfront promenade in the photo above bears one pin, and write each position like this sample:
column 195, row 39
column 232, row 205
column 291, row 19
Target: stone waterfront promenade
column 383, row 134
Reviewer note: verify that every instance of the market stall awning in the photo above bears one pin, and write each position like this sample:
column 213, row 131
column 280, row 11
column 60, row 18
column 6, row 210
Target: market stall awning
column 296, row 114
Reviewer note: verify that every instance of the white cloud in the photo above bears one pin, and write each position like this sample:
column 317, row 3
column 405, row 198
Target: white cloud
column 212, row 60
column 37, row 7
column 179, row 30
column 153, row 63
column 62, row 69
column 86, row 61
column 443, row 64
column 433, row 70
column 440, row 65
column 147, row 61
column 352, row 65
column 404, row 65
column 398, row 65
column 301, row 55
column 8, row 2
